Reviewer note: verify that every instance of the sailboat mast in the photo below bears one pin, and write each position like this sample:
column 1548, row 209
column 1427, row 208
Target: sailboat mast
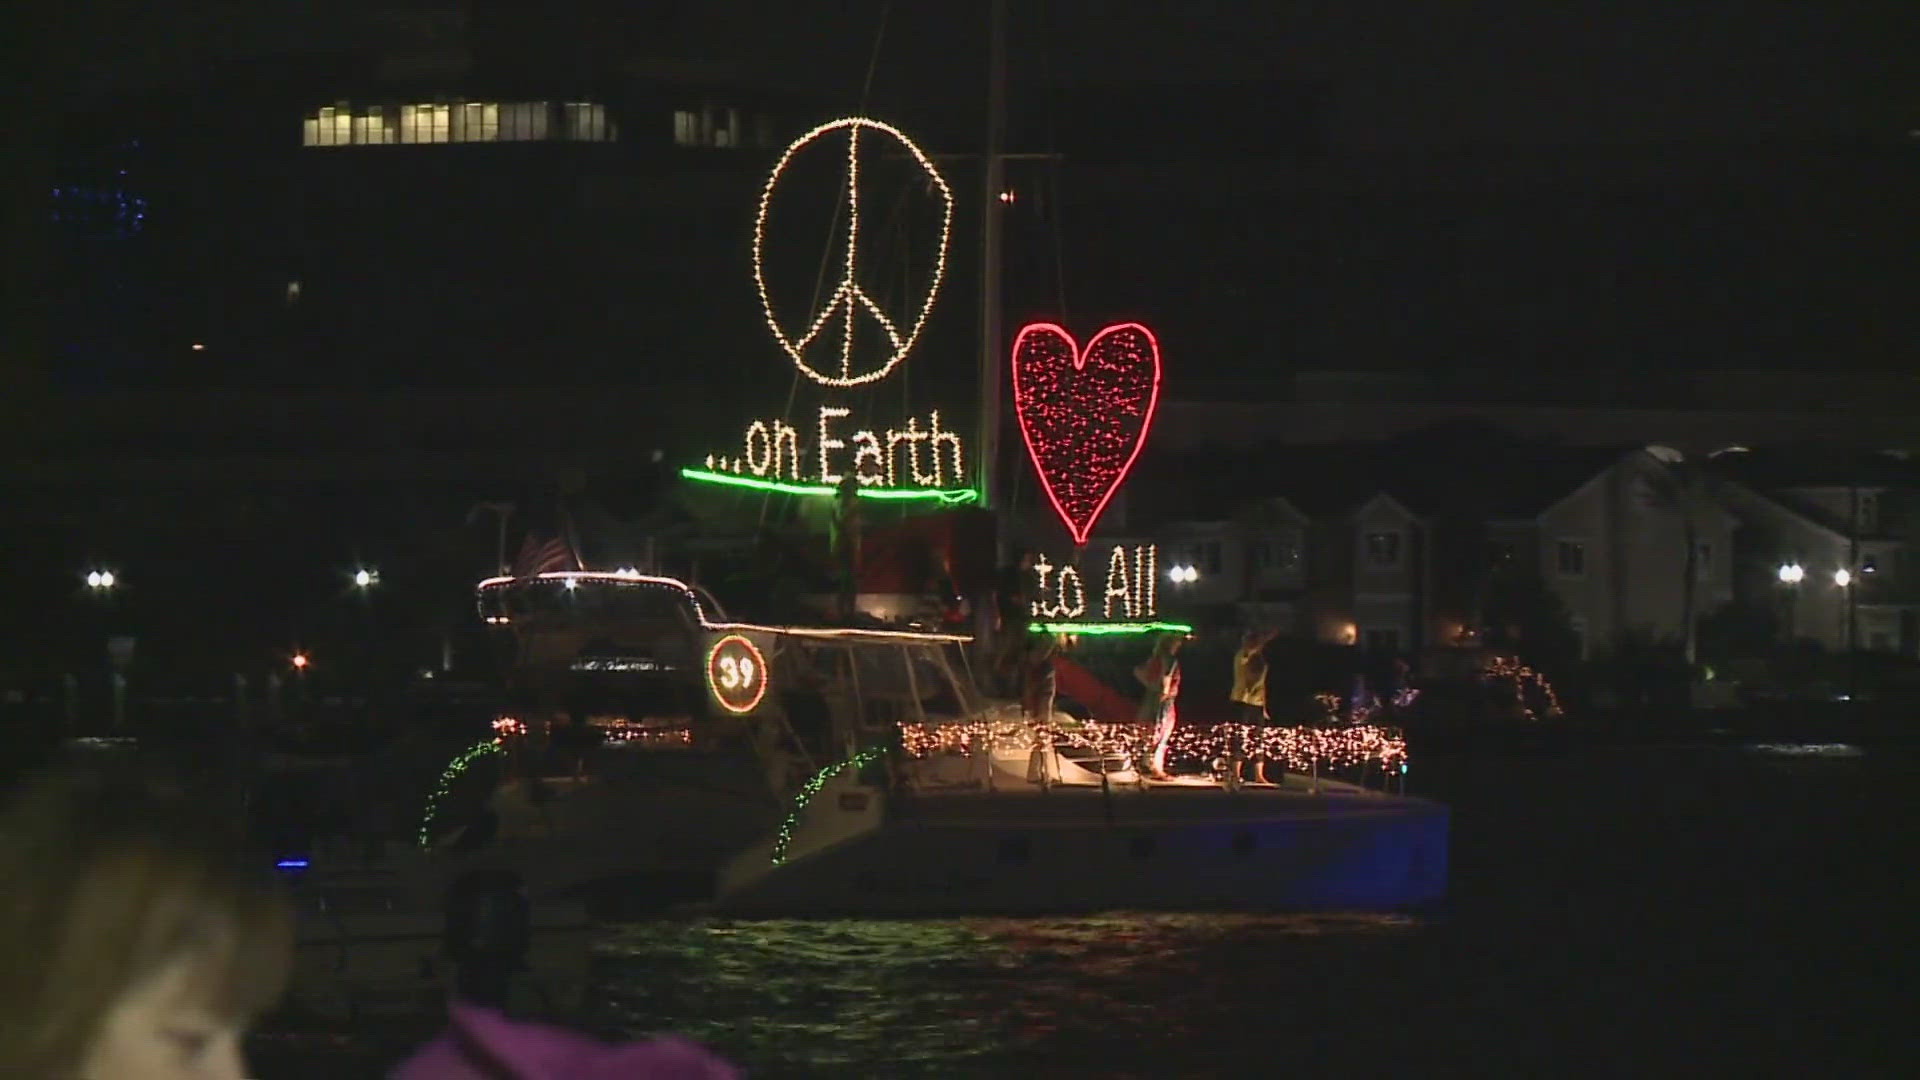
column 991, row 212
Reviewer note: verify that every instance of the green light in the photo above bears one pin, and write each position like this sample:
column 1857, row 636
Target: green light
column 951, row 497
column 459, row 765
column 812, row 787
column 1110, row 628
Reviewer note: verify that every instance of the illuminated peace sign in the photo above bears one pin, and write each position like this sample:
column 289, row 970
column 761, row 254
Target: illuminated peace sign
column 848, row 298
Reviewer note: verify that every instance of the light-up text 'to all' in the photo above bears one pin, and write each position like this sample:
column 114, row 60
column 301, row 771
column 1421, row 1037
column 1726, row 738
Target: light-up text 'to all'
column 1064, row 598
column 1132, row 590
column 737, row 674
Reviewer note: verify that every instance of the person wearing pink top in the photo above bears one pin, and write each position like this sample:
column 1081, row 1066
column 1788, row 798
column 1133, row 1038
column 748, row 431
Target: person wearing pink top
column 482, row 1044
column 1161, row 677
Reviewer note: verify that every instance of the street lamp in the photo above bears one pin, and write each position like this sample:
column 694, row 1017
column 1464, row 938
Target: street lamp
column 300, row 662
column 365, row 579
column 1843, row 577
column 1792, row 573
column 100, row 580
column 1184, row 574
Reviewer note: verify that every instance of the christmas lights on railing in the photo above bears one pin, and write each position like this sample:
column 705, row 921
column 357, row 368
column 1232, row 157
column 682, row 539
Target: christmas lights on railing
column 453, row 772
column 784, row 838
column 1300, row 749
column 646, row 736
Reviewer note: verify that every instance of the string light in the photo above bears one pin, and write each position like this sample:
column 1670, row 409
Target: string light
column 453, row 771
column 828, row 442
column 1060, row 606
column 736, row 674
column 571, row 578
column 1110, row 628
column 772, row 448
column 652, row 736
column 948, row 496
column 1520, row 678
column 1138, row 592
column 848, row 295
column 1084, row 413
column 784, row 838
column 1300, row 749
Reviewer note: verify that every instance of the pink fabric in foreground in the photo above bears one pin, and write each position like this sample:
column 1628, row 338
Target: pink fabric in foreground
column 481, row 1044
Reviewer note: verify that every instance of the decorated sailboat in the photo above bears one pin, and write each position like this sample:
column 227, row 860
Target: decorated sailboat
column 845, row 759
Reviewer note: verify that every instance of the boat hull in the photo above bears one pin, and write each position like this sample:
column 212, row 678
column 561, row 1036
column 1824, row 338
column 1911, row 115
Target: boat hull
column 1071, row 850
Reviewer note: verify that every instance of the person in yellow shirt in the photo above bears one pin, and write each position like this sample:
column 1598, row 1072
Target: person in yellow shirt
column 1250, row 694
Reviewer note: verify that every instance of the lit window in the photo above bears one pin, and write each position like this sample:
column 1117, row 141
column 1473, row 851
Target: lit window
column 686, row 128
column 476, row 121
column 331, row 127
column 1383, row 548
column 1571, row 557
column 424, row 123
column 372, row 128
column 310, row 131
column 586, row 122
column 524, row 121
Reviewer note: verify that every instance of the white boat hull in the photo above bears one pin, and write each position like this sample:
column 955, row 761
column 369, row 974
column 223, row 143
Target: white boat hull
column 1180, row 847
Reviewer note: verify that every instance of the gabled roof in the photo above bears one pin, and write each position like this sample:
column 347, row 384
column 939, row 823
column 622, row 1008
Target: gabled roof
column 1386, row 499
column 1775, row 468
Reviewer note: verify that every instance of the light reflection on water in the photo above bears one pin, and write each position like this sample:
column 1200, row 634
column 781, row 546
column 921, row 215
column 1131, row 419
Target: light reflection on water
column 957, row 997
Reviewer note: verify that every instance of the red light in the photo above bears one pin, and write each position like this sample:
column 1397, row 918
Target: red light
column 1084, row 413
column 300, row 660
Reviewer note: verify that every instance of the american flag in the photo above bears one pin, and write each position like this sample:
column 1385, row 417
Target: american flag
column 542, row 556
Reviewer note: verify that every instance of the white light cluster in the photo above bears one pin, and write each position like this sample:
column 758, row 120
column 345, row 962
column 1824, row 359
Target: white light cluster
column 1131, row 587
column 932, row 455
column 848, row 297
column 1138, row 594
column 1060, row 606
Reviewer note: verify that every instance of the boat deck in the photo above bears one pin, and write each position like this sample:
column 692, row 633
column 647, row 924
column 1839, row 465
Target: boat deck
column 1181, row 798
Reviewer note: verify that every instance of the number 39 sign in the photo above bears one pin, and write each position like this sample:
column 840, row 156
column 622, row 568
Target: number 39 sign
column 736, row 674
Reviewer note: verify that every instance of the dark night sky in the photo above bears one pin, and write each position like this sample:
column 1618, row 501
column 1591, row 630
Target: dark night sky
column 1404, row 74
column 1606, row 183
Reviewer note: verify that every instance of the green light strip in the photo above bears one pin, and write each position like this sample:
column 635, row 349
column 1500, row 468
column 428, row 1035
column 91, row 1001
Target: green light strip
column 952, row 496
column 1110, row 628
column 812, row 787
column 452, row 773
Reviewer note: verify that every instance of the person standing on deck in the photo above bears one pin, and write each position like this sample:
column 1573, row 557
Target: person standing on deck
column 1250, row 698
column 1038, row 689
column 846, row 542
column 1161, row 677
column 1014, row 598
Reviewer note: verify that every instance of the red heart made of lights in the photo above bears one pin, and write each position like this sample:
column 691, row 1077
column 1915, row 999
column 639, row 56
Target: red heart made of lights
column 1084, row 413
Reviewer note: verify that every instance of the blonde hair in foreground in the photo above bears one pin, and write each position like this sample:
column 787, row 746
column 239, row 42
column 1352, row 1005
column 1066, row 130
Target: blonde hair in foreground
column 105, row 881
